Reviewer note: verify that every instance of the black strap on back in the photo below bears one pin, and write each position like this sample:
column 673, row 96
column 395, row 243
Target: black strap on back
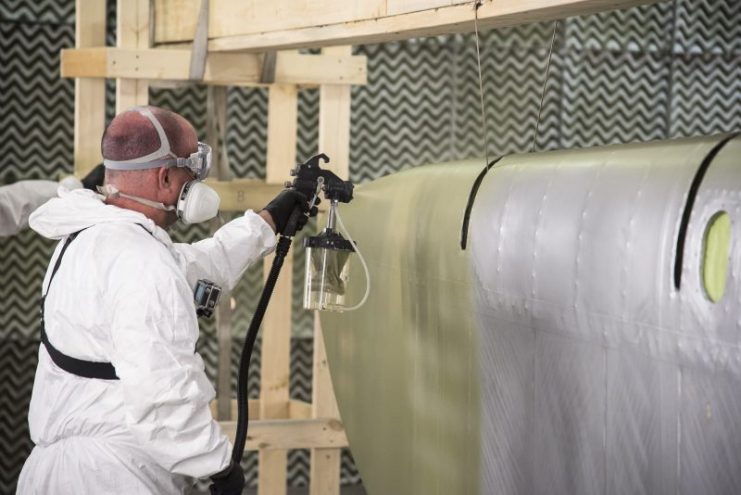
column 79, row 367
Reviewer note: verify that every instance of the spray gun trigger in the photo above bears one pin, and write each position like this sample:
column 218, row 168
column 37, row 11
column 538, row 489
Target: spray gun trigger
column 319, row 184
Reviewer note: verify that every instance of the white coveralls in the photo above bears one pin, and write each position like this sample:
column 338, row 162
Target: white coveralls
column 124, row 294
column 18, row 200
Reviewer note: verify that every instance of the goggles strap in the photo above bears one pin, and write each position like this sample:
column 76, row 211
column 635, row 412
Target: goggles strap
column 129, row 165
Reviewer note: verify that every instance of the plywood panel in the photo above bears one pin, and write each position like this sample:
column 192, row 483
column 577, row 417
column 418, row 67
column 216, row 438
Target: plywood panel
column 176, row 19
column 395, row 7
column 285, row 24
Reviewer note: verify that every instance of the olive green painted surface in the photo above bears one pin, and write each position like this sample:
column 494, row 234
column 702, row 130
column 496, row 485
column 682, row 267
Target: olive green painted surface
column 406, row 374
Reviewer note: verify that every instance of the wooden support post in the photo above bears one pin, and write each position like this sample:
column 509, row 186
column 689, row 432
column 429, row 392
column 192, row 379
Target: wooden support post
column 334, row 140
column 325, row 462
column 276, row 332
column 215, row 125
column 89, row 93
column 260, row 25
column 334, row 119
column 132, row 31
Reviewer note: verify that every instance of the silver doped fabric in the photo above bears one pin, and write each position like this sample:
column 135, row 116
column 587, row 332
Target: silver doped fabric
column 598, row 375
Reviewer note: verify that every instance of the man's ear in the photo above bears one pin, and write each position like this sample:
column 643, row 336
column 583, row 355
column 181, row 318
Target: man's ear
column 164, row 181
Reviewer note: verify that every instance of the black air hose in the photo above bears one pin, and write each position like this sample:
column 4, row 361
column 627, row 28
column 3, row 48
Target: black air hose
column 284, row 244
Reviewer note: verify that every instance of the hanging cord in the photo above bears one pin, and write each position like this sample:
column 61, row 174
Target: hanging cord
column 362, row 261
column 476, row 5
column 545, row 83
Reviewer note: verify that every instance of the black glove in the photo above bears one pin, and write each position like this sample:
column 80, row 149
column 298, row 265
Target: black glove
column 284, row 204
column 228, row 482
column 94, row 178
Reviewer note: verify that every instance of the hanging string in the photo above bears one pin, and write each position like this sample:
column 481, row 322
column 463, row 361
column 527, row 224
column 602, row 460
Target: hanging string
column 545, row 83
column 476, row 5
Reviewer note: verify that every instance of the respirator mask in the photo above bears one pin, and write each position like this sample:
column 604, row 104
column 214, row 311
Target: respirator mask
column 197, row 202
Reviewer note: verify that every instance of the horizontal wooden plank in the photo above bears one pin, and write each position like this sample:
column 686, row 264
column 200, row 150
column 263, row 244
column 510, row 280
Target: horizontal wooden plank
column 244, row 194
column 253, row 408
column 235, row 28
column 233, row 69
column 297, row 409
column 280, row 434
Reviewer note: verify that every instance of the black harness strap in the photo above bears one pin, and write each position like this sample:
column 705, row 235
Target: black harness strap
column 79, row 367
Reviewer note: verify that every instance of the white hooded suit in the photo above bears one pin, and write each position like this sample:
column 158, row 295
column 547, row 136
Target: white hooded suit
column 124, row 294
column 18, row 200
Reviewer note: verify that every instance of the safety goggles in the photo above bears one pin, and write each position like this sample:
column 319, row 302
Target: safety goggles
column 199, row 163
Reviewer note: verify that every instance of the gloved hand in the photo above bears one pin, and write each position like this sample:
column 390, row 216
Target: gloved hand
column 281, row 207
column 94, row 178
column 228, row 482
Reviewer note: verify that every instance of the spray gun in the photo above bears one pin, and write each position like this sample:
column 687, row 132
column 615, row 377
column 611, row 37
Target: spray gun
column 326, row 269
column 327, row 254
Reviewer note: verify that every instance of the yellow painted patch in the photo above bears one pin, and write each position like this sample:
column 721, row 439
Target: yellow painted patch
column 715, row 256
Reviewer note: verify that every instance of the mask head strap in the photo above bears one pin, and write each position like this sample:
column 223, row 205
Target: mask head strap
column 111, row 191
column 199, row 162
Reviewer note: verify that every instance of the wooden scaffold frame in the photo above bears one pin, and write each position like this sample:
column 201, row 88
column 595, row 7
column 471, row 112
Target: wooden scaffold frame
column 278, row 423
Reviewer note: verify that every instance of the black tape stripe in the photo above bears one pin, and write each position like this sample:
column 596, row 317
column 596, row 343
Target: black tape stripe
column 687, row 213
column 471, row 199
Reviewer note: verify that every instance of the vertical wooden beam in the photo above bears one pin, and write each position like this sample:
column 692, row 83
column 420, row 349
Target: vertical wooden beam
column 282, row 131
column 132, row 31
column 276, row 331
column 90, row 24
column 216, row 132
column 334, row 119
column 334, row 140
column 215, row 136
column 325, row 463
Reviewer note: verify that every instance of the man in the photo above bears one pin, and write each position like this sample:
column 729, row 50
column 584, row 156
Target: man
column 18, row 200
column 120, row 401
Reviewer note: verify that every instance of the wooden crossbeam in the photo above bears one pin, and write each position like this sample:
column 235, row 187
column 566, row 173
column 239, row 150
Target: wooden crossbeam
column 244, row 194
column 232, row 69
column 297, row 409
column 284, row 434
column 257, row 25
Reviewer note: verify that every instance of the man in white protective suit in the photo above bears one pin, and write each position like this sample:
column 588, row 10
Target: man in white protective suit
column 18, row 200
column 120, row 401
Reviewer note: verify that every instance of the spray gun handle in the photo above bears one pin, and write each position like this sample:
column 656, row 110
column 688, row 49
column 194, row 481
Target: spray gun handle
column 292, row 225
